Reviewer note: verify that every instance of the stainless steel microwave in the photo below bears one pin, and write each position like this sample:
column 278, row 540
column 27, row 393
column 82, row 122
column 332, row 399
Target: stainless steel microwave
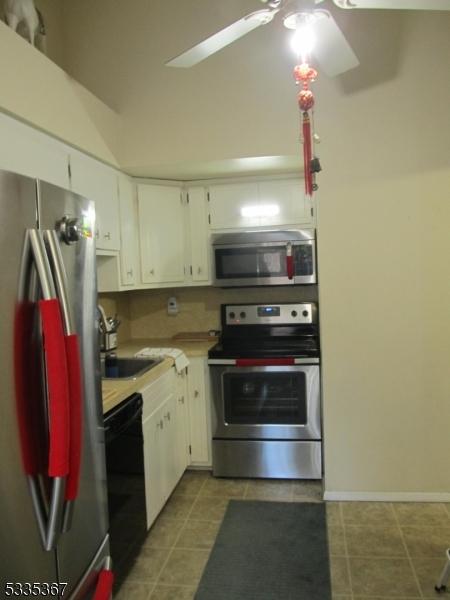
column 251, row 258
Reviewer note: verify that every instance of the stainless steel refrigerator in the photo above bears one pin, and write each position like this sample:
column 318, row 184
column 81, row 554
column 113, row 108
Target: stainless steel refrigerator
column 53, row 502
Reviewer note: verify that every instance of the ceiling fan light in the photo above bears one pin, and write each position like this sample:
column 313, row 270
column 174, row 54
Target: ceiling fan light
column 303, row 41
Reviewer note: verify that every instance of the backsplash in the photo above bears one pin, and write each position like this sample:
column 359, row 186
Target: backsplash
column 199, row 308
column 118, row 304
column 144, row 312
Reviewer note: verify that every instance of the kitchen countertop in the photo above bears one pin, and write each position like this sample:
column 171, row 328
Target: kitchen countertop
column 189, row 347
column 114, row 391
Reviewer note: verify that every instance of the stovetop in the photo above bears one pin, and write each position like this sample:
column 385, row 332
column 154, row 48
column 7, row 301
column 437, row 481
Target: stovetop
column 266, row 348
column 288, row 330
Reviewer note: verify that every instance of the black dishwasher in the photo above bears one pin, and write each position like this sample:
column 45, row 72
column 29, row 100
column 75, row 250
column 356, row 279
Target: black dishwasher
column 126, row 484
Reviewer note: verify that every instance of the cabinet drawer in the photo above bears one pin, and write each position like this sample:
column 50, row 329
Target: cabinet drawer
column 157, row 392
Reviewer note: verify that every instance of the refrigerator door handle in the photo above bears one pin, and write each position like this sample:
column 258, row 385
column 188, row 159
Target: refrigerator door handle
column 105, row 582
column 56, row 384
column 74, row 377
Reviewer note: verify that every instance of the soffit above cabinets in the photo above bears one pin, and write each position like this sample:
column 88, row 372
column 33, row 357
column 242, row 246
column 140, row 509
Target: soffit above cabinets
column 233, row 167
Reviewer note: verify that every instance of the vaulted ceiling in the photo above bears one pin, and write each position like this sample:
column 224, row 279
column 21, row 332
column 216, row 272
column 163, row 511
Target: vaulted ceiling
column 236, row 111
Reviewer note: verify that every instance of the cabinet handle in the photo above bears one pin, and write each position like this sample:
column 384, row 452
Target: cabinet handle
column 181, row 400
column 162, row 424
column 167, row 416
column 97, row 234
column 152, row 271
column 196, row 394
column 107, row 235
column 130, row 273
column 199, row 270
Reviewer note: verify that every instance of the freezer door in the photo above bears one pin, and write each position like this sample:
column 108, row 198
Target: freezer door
column 23, row 558
column 73, row 219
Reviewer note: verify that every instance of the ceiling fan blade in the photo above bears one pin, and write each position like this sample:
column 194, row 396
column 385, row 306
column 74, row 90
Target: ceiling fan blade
column 332, row 50
column 396, row 4
column 222, row 38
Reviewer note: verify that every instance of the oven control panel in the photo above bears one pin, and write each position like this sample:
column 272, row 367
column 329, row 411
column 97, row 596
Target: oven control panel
column 271, row 314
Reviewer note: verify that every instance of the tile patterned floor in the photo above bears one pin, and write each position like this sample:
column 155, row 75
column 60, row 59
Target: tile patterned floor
column 378, row 551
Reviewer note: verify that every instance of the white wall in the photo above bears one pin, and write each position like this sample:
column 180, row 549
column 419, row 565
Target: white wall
column 52, row 13
column 37, row 91
column 384, row 252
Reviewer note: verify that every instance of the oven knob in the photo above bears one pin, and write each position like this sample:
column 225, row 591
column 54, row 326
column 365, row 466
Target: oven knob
column 294, row 313
column 231, row 315
column 305, row 313
column 243, row 315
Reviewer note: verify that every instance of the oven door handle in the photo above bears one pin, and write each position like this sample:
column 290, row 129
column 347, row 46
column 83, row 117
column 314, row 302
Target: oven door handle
column 264, row 362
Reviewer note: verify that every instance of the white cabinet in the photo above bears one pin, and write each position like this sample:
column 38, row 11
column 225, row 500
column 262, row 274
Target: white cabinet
column 29, row 152
column 272, row 203
column 155, row 463
column 129, row 249
column 289, row 197
column 96, row 181
column 226, row 202
column 182, row 422
column 175, row 421
column 161, row 234
column 164, row 444
column 199, row 412
column 197, row 202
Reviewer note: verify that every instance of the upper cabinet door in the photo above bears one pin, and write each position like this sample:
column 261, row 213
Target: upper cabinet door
column 272, row 203
column 129, row 258
column 29, row 152
column 287, row 201
column 161, row 234
column 231, row 205
column 96, row 181
column 199, row 234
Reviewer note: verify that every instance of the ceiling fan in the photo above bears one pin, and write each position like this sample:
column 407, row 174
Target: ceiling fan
column 310, row 22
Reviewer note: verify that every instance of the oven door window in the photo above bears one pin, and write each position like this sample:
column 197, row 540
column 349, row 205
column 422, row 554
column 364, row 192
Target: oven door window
column 304, row 260
column 264, row 398
column 258, row 261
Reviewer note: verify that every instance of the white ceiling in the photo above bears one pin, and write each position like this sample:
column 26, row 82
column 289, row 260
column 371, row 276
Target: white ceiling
column 235, row 112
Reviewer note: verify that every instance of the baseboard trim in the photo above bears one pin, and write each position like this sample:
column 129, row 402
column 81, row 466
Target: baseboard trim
column 388, row 496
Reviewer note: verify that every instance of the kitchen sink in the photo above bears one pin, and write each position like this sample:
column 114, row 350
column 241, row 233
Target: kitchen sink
column 128, row 368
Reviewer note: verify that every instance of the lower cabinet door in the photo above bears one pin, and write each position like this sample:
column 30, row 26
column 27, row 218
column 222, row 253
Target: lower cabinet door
column 170, row 446
column 182, row 436
column 164, row 440
column 199, row 413
column 155, row 463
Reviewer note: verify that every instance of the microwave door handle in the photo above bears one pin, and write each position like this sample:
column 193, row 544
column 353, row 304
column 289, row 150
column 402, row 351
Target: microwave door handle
column 289, row 261
column 73, row 359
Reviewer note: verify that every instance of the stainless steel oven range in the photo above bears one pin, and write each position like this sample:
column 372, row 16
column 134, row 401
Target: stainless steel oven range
column 265, row 376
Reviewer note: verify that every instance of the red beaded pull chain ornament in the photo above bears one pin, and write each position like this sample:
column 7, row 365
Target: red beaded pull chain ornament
column 304, row 75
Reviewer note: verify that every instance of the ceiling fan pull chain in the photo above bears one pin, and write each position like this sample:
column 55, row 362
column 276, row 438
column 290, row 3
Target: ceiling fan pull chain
column 304, row 74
